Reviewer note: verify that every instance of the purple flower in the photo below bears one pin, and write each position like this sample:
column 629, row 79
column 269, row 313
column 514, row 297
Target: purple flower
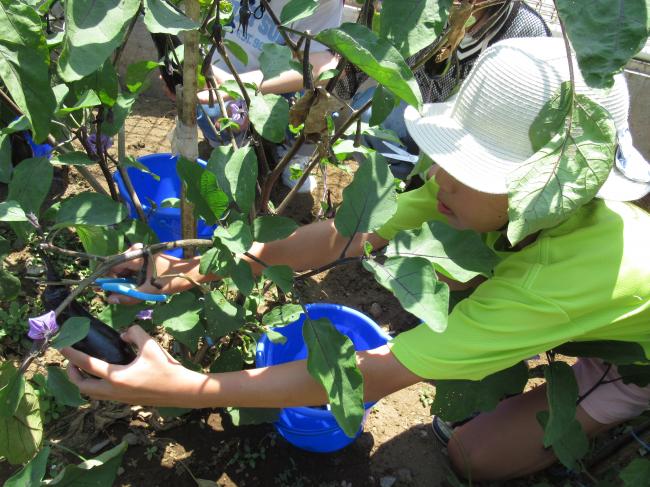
column 106, row 141
column 42, row 327
column 237, row 113
column 145, row 314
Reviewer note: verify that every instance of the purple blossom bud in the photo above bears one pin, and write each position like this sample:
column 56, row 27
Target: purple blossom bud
column 42, row 327
column 145, row 314
column 106, row 141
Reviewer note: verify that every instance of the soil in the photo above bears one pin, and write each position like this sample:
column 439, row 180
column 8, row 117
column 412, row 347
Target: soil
column 397, row 447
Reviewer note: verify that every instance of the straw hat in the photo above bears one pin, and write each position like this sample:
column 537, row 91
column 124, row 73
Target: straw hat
column 481, row 134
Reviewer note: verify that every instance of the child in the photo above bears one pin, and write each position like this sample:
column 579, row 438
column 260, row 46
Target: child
column 588, row 278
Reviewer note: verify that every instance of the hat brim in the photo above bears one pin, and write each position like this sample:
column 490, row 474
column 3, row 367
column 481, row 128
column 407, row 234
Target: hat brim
column 476, row 164
column 619, row 188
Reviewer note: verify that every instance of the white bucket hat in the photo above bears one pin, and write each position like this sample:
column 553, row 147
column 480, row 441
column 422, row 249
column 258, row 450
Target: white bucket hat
column 480, row 135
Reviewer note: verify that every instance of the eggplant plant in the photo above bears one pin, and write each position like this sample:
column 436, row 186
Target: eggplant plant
column 59, row 84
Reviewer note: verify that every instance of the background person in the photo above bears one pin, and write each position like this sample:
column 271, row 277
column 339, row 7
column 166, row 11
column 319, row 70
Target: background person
column 439, row 80
column 587, row 278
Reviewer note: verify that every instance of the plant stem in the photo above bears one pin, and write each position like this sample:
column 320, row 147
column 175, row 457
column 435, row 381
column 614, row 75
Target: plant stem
column 186, row 129
column 289, row 42
column 277, row 171
column 71, row 253
column 343, row 260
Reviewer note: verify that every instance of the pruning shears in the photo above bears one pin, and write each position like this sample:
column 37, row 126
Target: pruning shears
column 128, row 287
column 399, row 153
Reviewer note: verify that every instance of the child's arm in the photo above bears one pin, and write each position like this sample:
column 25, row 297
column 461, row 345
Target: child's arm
column 157, row 379
column 287, row 82
column 309, row 247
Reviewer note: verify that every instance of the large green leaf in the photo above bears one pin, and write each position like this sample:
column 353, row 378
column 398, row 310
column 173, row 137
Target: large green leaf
column 275, row 59
column 87, row 99
column 269, row 114
column 564, row 174
column 270, row 228
column 236, row 172
column 457, row 400
column 635, row 374
column 161, row 17
column 282, row 315
column 332, row 362
column 5, row 247
column 411, row 25
column 30, row 183
column 12, row 391
column 605, row 35
column 103, row 82
column 215, row 260
column 137, row 75
column 461, row 254
column 229, row 360
column 370, row 199
column 413, row 282
column 180, row 317
column 375, row 57
column 98, row 471
column 236, row 51
column 64, row 391
column 74, row 329
column 242, row 275
column 250, row 416
column 9, row 285
column 31, row 474
column 636, row 474
column 6, row 166
column 10, row 211
column 119, row 316
column 202, row 190
column 297, row 9
column 22, row 433
column 383, row 103
column 76, row 158
column 100, row 240
column 281, row 275
column 90, row 209
column 24, row 64
column 93, row 31
column 562, row 431
column 237, row 237
column 119, row 112
column 222, row 317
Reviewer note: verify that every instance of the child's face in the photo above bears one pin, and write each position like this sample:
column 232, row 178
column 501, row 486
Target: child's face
column 468, row 209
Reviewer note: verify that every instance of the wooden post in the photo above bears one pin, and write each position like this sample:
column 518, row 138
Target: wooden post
column 186, row 134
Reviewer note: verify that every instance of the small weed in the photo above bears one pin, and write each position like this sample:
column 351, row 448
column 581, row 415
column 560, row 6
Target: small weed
column 50, row 408
column 426, row 398
column 13, row 321
column 150, row 452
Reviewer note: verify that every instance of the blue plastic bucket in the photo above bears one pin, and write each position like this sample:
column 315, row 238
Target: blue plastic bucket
column 315, row 429
column 165, row 222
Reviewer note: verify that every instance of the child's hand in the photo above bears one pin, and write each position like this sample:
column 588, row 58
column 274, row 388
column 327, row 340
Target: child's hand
column 164, row 265
column 154, row 378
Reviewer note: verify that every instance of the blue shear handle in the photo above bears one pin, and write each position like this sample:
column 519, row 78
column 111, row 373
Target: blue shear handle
column 128, row 288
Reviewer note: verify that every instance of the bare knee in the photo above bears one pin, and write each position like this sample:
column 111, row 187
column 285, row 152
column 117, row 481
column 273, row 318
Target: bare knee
column 466, row 456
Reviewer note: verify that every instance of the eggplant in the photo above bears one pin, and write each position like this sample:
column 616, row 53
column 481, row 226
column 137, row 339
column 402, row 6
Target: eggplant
column 171, row 72
column 102, row 341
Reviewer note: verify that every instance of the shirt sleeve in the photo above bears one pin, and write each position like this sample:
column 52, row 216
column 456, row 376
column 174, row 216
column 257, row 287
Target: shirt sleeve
column 500, row 324
column 413, row 209
column 327, row 16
